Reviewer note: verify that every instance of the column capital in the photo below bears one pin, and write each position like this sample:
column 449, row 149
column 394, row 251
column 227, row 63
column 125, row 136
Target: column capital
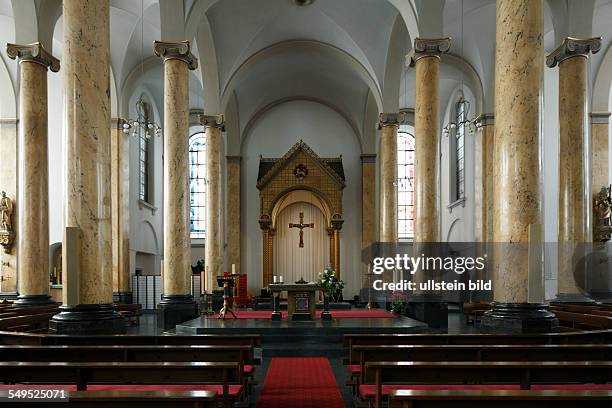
column 600, row 117
column 573, row 47
column 213, row 121
column 391, row 119
column 180, row 50
column 33, row 53
column 427, row 47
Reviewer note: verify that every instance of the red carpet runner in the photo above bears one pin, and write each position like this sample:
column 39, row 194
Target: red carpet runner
column 300, row 383
column 339, row 314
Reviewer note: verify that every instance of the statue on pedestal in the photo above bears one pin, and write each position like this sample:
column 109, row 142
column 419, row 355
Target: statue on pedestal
column 603, row 215
column 6, row 226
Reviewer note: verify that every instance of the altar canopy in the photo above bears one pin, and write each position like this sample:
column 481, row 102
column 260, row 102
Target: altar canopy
column 300, row 214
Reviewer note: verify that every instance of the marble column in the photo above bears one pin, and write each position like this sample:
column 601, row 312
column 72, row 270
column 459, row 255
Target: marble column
column 426, row 59
column 33, row 176
column 519, row 67
column 120, row 216
column 233, row 212
column 427, row 306
column 388, row 125
column 8, row 184
column 483, row 196
column 368, row 208
column 214, row 126
column 177, row 304
column 88, row 287
column 572, row 57
column 483, row 188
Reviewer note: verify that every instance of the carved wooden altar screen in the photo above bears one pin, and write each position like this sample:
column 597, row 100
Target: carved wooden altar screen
column 300, row 169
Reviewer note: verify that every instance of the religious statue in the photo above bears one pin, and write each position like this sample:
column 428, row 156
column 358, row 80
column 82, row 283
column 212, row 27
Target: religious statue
column 603, row 214
column 6, row 225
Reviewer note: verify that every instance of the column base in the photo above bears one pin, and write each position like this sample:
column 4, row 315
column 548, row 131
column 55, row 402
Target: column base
column 175, row 309
column 87, row 319
column 519, row 318
column 122, row 297
column 573, row 298
column 33, row 300
column 430, row 309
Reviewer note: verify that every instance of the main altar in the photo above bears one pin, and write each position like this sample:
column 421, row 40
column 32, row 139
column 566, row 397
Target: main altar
column 301, row 303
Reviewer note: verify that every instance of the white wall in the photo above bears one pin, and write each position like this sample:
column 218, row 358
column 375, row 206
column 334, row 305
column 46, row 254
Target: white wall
column 146, row 223
column 327, row 133
column 457, row 223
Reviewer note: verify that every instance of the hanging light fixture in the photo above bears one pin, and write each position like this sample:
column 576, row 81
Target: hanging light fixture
column 462, row 118
column 141, row 122
column 142, row 117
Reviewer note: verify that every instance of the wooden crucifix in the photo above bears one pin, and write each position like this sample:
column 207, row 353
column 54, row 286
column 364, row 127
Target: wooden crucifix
column 301, row 226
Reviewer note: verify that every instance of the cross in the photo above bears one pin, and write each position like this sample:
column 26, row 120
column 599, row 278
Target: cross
column 301, row 226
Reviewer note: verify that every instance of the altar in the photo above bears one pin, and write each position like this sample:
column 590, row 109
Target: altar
column 301, row 303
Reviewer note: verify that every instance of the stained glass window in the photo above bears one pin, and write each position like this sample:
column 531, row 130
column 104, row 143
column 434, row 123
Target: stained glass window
column 405, row 182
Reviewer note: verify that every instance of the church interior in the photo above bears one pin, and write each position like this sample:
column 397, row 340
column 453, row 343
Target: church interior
column 310, row 203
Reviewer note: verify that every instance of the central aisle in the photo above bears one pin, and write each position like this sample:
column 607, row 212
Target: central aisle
column 300, row 383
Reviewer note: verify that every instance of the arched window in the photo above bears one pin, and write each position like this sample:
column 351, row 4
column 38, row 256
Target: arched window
column 197, row 184
column 144, row 153
column 405, row 182
column 459, row 150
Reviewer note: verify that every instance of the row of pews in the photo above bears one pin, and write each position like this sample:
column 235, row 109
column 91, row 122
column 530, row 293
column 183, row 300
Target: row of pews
column 479, row 370
column 132, row 370
column 35, row 319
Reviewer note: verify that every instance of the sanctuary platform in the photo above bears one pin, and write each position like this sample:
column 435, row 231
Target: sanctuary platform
column 343, row 322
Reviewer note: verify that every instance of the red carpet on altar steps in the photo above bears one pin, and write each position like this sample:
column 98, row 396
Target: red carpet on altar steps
column 339, row 314
column 300, row 383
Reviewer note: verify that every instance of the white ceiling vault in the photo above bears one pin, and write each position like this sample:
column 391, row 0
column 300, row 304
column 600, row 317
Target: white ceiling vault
column 346, row 54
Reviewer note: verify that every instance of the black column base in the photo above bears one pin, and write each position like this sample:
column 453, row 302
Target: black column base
column 430, row 309
column 519, row 318
column 122, row 297
column 88, row 319
column 33, row 300
column 175, row 309
column 573, row 298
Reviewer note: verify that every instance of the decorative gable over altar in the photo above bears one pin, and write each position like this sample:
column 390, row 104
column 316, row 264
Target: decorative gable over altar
column 281, row 180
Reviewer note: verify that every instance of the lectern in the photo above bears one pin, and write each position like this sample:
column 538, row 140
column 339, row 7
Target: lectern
column 227, row 282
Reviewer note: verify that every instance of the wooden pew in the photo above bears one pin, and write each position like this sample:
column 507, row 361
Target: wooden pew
column 253, row 340
column 131, row 312
column 225, row 377
column 27, row 323
column 586, row 337
column 135, row 399
column 499, row 399
column 523, row 373
column 583, row 321
column 519, row 352
column 242, row 354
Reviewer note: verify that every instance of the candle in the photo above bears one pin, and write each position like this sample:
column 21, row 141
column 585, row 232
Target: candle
column 233, row 269
column 281, row 279
column 274, row 278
